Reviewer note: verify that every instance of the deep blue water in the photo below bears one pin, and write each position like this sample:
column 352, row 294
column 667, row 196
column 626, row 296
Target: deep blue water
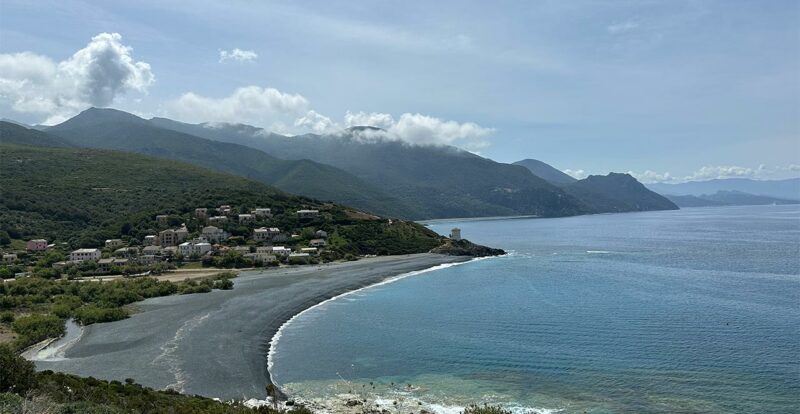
column 695, row 310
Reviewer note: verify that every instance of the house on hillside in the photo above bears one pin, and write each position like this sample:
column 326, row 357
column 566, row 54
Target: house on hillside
column 224, row 210
column 201, row 213
column 194, row 248
column 218, row 220
column 82, row 255
column 126, row 252
column 309, row 250
column 36, row 245
column 214, row 234
column 150, row 240
column 262, row 212
column 264, row 234
column 321, row 234
column 9, row 258
column 173, row 237
column 151, row 251
column 246, row 218
column 113, row 243
column 261, row 257
column 317, row 243
column 281, row 251
column 305, row 214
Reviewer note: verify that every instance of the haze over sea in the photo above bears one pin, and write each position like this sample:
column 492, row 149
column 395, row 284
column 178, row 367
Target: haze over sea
column 680, row 311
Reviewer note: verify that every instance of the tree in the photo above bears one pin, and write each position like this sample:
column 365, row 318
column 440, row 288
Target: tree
column 18, row 374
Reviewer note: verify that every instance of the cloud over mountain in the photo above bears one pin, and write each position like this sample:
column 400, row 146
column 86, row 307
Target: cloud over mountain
column 93, row 76
column 267, row 107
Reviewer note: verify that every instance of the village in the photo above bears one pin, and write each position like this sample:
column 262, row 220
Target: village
column 201, row 241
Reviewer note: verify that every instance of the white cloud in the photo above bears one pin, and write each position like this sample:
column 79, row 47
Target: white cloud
column 418, row 129
column 622, row 27
column 266, row 107
column 711, row 172
column 317, row 123
column 93, row 76
column 578, row 174
column 423, row 129
column 652, row 176
column 237, row 55
column 374, row 119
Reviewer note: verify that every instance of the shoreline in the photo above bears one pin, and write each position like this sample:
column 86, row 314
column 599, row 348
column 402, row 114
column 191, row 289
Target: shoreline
column 218, row 344
column 391, row 279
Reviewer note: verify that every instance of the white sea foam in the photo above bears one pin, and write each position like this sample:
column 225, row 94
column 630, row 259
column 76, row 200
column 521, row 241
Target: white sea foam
column 54, row 351
column 169, row 352
column 275, row 338
column 598, row 252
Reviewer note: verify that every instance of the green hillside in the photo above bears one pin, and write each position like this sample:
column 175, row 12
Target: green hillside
column 112, row 129
column 84, row 196
column 616, row 193
column 11, row 133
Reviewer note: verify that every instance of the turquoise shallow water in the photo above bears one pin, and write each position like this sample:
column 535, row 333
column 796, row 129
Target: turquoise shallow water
column 695, row 310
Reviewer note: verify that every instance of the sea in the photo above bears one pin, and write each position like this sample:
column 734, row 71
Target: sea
column 689, row 311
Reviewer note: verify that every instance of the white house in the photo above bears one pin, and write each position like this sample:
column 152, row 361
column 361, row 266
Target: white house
column 307, row 213
column 214, row 234
column 218, row 220
column 281, row 251
column 36, row 245
column 151, row 251
column 262, row 212
column 9, row 257
column 309, row 250
column 81, row 255
column 150, row 240
column 194, row 247
column 246, row 218
column 113, row 243
column 224, row 209
column 261, row 257
column 265, row 234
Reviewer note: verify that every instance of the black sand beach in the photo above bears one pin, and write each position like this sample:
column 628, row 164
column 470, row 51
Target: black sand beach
column 216, row 344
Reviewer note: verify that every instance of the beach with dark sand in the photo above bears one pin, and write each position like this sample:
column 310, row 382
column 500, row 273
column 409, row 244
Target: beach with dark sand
column 216, row 344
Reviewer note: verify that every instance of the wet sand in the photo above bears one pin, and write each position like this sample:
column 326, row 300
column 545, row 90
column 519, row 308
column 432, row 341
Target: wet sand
column 216, row 344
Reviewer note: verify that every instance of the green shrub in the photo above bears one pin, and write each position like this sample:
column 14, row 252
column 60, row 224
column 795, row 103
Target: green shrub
column 34, row 328
column 7, row 317
column 18, row 374
column 90, row 314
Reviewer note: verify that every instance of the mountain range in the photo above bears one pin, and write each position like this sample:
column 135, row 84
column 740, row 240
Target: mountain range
column 361, row 167
column 785, row 189
column 727, row 198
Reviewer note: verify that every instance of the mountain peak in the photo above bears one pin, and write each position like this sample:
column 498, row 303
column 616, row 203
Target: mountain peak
column 546, row 172
column 96, row 116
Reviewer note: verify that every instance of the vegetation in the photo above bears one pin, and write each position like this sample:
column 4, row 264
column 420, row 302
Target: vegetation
column 112, row 129
column 82, row 197
column 23, row 390
column 35, row 308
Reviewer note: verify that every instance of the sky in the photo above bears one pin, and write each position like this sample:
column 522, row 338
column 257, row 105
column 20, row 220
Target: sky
column 666, row 90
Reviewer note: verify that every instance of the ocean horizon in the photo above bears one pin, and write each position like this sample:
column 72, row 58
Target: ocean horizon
column 678, row 311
